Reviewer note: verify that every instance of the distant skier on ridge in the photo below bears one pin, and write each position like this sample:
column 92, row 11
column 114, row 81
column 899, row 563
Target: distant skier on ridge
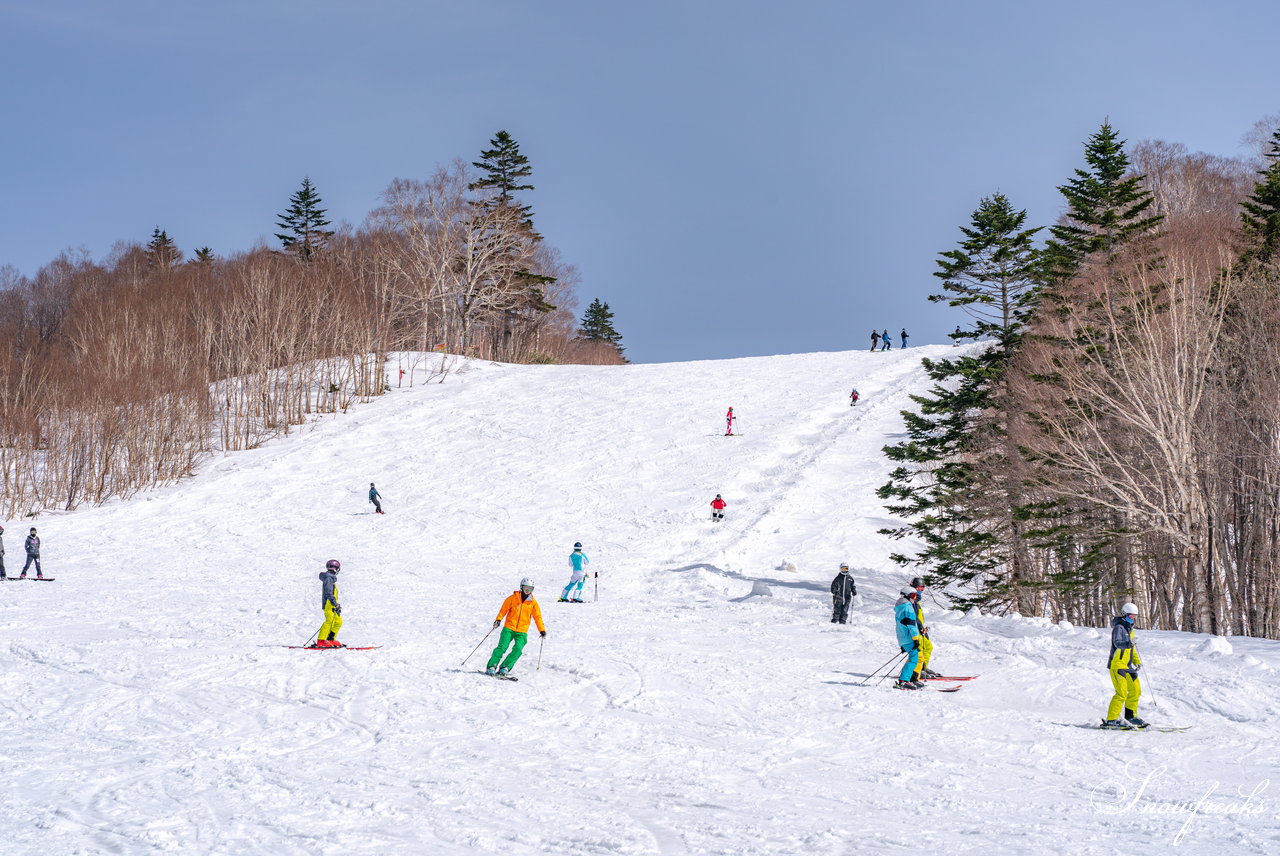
column 578, row 561
column 888, row 343
column 1123, row 663
column 903, row 334
column 875, row 339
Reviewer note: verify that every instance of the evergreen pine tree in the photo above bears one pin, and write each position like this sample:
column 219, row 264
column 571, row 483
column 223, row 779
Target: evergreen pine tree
column 597, row 326
column 992, row 274
column 1106, row 208
column 1261, row 215
column 507, row 171
column 203, row 256
column 303, row 223
column 162, row 252
column 953, row 481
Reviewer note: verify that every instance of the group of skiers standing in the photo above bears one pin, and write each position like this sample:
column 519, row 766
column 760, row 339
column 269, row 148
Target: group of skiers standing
column 883, row 340
column 32, row 545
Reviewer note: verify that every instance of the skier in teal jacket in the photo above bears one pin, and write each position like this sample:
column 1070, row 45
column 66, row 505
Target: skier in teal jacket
column 904, row 617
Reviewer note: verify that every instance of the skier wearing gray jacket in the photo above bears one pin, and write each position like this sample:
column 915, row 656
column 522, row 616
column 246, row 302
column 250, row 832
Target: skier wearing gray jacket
column 327, row 635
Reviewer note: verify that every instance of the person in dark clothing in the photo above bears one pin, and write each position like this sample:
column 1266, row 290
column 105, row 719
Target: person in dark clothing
column 374, row 496
column 843, row 591
column 2, row 576
column 903, row 334
column 875, row 340
column 33, row 555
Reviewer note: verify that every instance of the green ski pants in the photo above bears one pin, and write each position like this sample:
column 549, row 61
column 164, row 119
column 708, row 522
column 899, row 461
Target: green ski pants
column 508, row 637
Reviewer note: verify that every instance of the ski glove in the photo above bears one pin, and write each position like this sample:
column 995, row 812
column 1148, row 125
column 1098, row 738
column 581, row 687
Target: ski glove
column 496, row 622
column 542, row 633
column 337, row 610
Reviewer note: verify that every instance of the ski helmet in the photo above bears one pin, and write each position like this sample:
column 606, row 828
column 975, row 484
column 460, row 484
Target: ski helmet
column 333, row 565
column 577, row 545
column 1129, row 609
column 909, row 592
column 527, row 582
column 844, row 566
column 916, row 582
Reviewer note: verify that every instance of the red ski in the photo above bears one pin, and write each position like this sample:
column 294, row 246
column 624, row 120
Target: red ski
column 339, row 648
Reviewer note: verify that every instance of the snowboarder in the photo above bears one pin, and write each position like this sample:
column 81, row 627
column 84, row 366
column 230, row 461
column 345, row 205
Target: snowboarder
column 904, row 614
column 926, row 644
column 903, row 334
column 2, row 576
column 327, row 637
column 1123, row 664
column 957, row 337
column 888, row 343
column 33, row 555
column 843, row 591
column 578, row 561
column 717, row 508
column 728, row 423
column 518, row 609
column 374, row 496
column 875, row 339
column 853, row 397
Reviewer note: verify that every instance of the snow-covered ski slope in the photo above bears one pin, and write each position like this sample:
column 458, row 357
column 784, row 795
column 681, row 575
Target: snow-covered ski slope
column 150, row 707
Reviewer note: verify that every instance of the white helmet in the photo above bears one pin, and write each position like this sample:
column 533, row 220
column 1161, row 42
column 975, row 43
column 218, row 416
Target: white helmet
column 1129, row 609
column 844, row 566
column 527, row 581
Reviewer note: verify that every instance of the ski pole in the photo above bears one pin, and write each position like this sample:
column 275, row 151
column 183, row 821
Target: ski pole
column 596, row 599
column 312, row 639
column 477, row 648
column 877, row 671
column 889, row 671
column 541, row 641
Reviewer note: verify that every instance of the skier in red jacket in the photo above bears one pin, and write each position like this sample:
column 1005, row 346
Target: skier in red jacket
column 717, row 508
column 728, row 423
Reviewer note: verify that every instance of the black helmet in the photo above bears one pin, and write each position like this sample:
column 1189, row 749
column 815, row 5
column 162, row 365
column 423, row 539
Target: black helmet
column 916, row 582
column 577, row 545
column 333, row 565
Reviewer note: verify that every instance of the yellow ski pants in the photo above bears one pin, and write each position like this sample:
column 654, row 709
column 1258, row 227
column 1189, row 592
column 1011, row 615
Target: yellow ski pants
column 1127, row 691
column 332, row 623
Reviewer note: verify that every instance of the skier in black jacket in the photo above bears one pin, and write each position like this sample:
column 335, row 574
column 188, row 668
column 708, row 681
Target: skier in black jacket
column 33, row 555
column 843, row 591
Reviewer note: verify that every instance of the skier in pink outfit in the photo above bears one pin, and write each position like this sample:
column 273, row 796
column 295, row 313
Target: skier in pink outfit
column 728, row 423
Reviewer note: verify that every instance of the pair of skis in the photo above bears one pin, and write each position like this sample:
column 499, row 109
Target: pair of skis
column 329, row 648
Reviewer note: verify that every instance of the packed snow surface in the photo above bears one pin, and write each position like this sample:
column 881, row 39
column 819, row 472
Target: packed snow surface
column 151, row 706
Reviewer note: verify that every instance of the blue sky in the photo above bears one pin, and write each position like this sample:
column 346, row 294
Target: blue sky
column 733, row 178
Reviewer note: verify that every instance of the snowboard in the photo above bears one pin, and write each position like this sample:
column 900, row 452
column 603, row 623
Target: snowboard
column 33, row 579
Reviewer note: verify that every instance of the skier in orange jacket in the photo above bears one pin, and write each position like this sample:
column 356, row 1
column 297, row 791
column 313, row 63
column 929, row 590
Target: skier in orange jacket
column 518, row 609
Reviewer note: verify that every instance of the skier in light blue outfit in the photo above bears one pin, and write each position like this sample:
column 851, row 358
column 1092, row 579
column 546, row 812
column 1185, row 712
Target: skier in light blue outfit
column 904, row 619
column 578, row 561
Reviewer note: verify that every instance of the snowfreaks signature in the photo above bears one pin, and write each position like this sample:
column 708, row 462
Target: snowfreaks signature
column 1114, row 798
